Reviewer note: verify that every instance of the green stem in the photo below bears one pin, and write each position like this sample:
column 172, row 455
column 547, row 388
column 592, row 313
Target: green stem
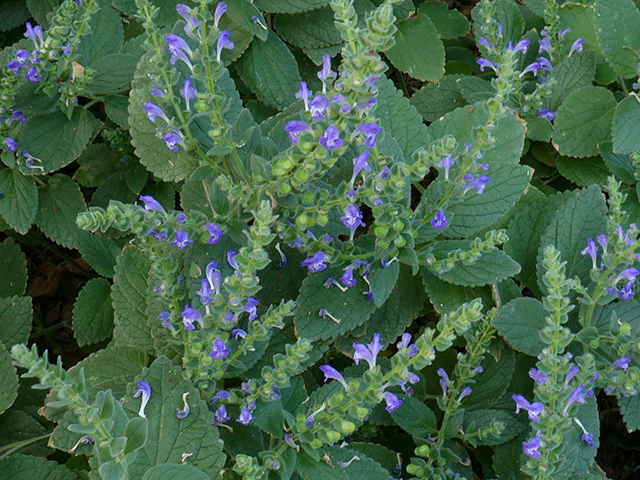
column 7, row 450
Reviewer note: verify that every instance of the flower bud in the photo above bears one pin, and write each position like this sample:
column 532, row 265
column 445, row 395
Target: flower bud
column 333, row 436
column 284, row 188
column 201, row 106
column 400, row 242
column 347, row 427
column 423, row 451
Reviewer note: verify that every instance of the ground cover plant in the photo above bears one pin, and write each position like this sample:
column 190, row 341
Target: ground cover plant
column 318, row 239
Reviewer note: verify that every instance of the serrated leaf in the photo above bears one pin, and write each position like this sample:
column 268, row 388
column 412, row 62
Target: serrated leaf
column 424, row 63
column 130, row 299
column 8, row 380
column 19, row 200
column 13, row 264
column 242, row 13
column 483, row 418
column 620, row 165
column 436, row 99
column 270, row 70
column 60, row 203
column 630, row 411
column 55, row 139
column 616, row 24
column 16, row 315
column 351, row 307
column 113, row 73
column 582, row 216
column 116, row 108
column 572, row 74
column 93, row 313
column 580, row 456
column 359, row 466
column 385, row 457
column 269, row 417
column 19, row 426
column 310, row 469
column 398, row 118
column 105, row 37
column 519, row 322
column 508, row 15
column 100, row 252
column 14, row 14
column 506, row 460
column 39, row 10
column 450, row 23
column 313, row 29
column 583, row 121
column 583, row 171
column 97, row 162
column 114, row 187
column 415, row 417
column 136, row 433
column 383, row 280
column 27, row 467
column 289, row 6
column 447, row 297
column 177, row 471
column 625, row 130
column 492, row 383
column 168, row 436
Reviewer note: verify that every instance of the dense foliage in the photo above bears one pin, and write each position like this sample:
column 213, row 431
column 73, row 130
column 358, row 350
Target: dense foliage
column 346, row 239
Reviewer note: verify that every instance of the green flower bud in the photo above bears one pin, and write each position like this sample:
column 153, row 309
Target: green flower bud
column 347, row 427
column 333, row 436
column 284, row 188
column 302, row 220
column 423, row 451
column 400, row 242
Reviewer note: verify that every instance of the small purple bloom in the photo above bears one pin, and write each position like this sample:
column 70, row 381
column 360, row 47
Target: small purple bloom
column 404, row 340
column 213, row 276
column 315, row 263
column 367, row 352
column 577, row 46
column 370, row 130
column 545, row 64
column 534, row 408
column 145, row 390
column 295, row 128
column 547, row 114
column 573, row 371
column 484, row 63
column 190, row 315
column 317, row 106
column 393, row 402
column 622, row 363
column 220, row 350
column 439, row 220
column 545, row 45
column 352, row 218
column 347, row 277
column 179, row 49
column 479, row 184
column 32, row 75
column 166, row 323
column 157, row 93
column 539, row 377
column 602, row 240
column 238, row 333
column 466, row 392
column 205, row 293
column 531, row 447
column 220, row 9
column 485, row 43
column 34, row 33
column 359, row 164
column 331, row 139
column 188, row 92
column 385, row 172
column 172, row 140
column 155, row 111
column 533, row 67
column 158, row 236
column 520, row 47
column 245, row 417
column 592, row 250
column 224, row 42
column 444, row 378
column 215, row 233
column 231, row 259
column 220, row 415
column 251, row 308
column 12, row 145
column 14, row 66
column 151, row 203
column 184, row 411
column 326, row 71
column 303, row 94
column 575, row 396
column 182, row 239
column 586, row 436
column 330, row 372
column 181, row 218
column 446, row 163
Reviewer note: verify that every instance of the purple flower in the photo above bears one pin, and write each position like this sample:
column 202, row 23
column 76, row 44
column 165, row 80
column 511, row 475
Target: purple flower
column 205, row 293
column 66, row 50
column 190, row 315
column 157, row 93
column 245, row 417
column 392, row 401
column 188, row 92
column 155, row 111
column 533, row 67
column 172, row 140
column 439, row 220
column 231, row 259
column 297, row 243
column 359, row 164
column 331, row 139
column 545, row 64
column 352, row 218
column 485, row 43
column 592, row 250
column 16, row 115
column 12, row 145
column 213, row 276
column 622, row 363
column 251, row 308
column 315, row 263
column 531, row 447
column 158, row 236
column 404, row 341
column 326, row 71
column 628, row 274
column 547, row 114
column 367, row 352
column 444, row 378
column 179, row 49
column 224, row 42
column 145, row 390
column 32, row 75
column 238, row 333
column 317, row 106
column 447, row 163
column 166, row 323
column 573, row 371
column 184, row 412
column 220, row 9
column 577, row 46
column 534, row 408
column 575, row 396
column 521, row 46
column 370, row 130
column 34, row 33
column 303, row 94
column 14, row 66
column 220, row 350
column 295, row 128
column 347, row 277
column 182, row 240
column 466, row 392
column 545, row 45
column 368, row 105
column 586, row 436
column 220, row 415
column 215, row 233
column 385, row 172
column 479, row 184
column 151, row 203
column 539, row 377
column 181, row 218
column 484, row 63
column 330, row 372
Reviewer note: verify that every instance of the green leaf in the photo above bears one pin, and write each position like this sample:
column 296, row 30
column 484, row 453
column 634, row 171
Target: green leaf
column 13, row 264
column 491, row 268
column 617, row 23
column 362, row 467
column 8, row 380
column 100, row 252
column 289, row 6
column 620, row 165
column 450, row 23
column 509, row 16
column 105, row 37
column 508, row 184
column 312, row 29
column 351, row 307
column 19, row 426
column 177, row 471
column 33, row 101
column 583, row 121
column 581, row 18
column 16, row 315
column 97, row 162
column 436, row 99
column 14, row 14
column 385, row 457
column 475, row 420
column 630, row 411
column 424, row 63
column 519, row 321
column 19, row 200
column 130, row 299
column 383, row 280
column 242, row 12
column 114, row 187
column 572, row 74
column 270, row 70
column 447, row 297
column 583, row 171
column 525, row 232
column 168, row 436
column 41, row 8
column 113, row 73
column 55, row 139
column 415, row 417
column 26, row 467
column 579, row 455
column 582, row 216
column 136, row 433
column 492, row 383
column 398, row 118
column 116, row 108
column 506, row 460
column 60, row 203
column 93, row 313
column 310, row 469
column 625, row 130
column 269, row 417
